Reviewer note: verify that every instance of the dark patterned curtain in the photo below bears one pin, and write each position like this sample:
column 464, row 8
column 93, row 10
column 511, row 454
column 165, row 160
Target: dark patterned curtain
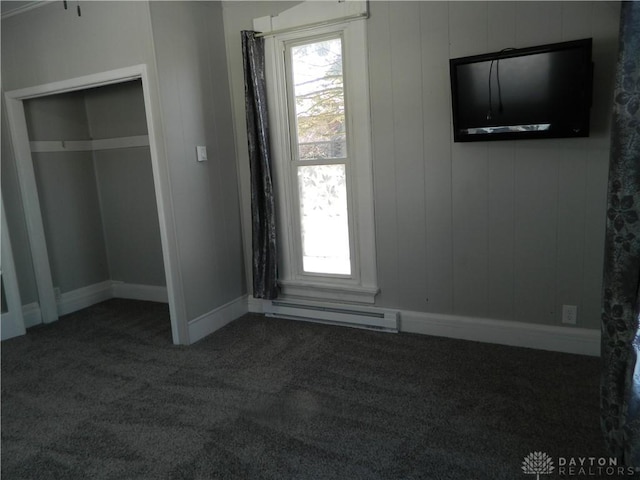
column 620, row 389
column 263, row 222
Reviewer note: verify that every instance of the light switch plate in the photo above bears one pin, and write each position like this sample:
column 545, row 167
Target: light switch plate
column 201, row 153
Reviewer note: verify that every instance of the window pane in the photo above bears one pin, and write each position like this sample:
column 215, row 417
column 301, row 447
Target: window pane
column 319, row 99
column 324, row 219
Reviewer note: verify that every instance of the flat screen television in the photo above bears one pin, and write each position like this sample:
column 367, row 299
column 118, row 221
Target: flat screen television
column 525, row 93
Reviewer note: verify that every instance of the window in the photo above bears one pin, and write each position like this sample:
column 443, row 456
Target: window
column 319, row 155
column 320, row 135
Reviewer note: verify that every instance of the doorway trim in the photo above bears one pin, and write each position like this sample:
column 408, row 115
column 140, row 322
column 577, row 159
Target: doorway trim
column 11, row 321
column 31, row 204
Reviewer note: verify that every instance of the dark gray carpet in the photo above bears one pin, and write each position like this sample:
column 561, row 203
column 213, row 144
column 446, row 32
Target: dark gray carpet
column 102, row 394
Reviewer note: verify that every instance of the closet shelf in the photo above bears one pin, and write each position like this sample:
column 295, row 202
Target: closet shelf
column 42, row 146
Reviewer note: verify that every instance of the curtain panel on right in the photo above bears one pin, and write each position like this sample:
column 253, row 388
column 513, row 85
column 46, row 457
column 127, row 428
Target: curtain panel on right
column 620, row 386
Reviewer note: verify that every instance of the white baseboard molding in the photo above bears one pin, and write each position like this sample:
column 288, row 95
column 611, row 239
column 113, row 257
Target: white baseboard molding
column 84, row 297
column 217, row 318
column 518, row 334
column 255, row 305
column 31, row 314
column 150, row 293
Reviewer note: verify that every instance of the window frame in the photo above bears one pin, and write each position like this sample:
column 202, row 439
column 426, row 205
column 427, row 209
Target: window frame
column 361, row 285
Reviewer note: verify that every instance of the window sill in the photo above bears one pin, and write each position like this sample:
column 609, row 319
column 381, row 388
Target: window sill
column 324, row 291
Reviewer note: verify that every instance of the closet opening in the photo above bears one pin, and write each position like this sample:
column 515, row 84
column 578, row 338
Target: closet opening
column 89, row 176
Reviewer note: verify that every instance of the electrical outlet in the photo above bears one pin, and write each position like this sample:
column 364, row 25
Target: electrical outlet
column 569, row 314
column 57, row 294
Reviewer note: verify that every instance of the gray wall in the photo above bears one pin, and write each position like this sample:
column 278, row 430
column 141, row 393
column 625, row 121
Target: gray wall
column 67, row 191
column 130, row 216
column 116, row 110
column 504, row 230
column 57, row 117
column 71, row 218
column 49, row 43
column 124, row 179
column 194, row 86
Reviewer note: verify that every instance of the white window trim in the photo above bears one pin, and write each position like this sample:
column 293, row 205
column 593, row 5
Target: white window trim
column 361, row 286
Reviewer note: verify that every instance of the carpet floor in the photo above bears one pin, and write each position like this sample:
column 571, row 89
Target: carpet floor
column 103, row 394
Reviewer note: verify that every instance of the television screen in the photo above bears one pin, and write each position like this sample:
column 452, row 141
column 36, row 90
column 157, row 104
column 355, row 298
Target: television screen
column 537, row 92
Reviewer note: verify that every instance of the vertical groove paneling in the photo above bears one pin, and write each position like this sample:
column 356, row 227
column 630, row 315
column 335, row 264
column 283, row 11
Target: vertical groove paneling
column 468, row 27
column 406, row 76
column 513, row 230
column 501, row 25
column 571, row 225
column 501, row 248
column 384, row 171
column 501, row 187
column 536, row 203
column 576, row 20
column 437, row 154
column 470, row 229
column 596, row 175
column 538, row 23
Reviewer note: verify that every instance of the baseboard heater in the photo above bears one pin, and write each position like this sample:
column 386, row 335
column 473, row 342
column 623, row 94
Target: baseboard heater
column 358, row 317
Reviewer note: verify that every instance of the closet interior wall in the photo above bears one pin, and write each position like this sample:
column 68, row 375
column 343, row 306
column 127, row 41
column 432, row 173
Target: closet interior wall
column 97, row 197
